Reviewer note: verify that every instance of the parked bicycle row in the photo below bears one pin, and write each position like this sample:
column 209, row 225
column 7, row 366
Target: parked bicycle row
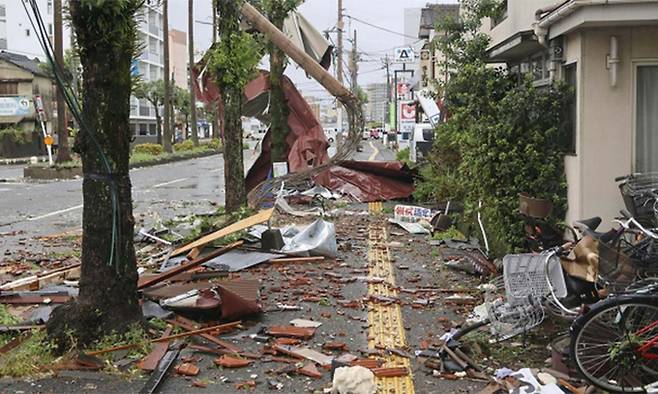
column 605, row 283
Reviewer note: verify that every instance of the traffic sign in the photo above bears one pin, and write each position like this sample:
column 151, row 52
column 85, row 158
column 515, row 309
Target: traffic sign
column 49, row 140
column 404, row 55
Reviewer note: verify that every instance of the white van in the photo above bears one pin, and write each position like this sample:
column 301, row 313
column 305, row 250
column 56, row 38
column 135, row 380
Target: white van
column 421, row 141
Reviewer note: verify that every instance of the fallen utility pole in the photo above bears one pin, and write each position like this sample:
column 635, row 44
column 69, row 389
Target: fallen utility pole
column 315, row 70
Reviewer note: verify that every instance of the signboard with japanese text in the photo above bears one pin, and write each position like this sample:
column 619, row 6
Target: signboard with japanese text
column 14, row 106
column 404, row 55
column 410, row 213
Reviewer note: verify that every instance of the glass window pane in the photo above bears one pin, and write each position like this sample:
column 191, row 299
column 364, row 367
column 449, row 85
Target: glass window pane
column 646, row 124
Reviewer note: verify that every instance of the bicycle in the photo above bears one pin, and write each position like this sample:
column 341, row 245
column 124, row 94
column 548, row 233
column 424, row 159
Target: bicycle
column 615, row 343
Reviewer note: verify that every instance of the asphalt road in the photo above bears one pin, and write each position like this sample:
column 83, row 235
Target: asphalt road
column 30, row 208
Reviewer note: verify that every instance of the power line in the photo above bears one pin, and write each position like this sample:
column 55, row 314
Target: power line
column 380, row 27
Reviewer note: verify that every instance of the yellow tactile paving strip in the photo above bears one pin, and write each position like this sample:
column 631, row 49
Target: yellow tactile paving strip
column 386, row 328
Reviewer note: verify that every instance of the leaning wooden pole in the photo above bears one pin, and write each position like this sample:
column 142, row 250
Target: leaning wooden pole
column 315, row 70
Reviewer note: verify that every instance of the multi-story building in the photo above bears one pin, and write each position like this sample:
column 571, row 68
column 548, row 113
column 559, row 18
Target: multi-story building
column 377, row 102
column 18, row 36
column 608, row 52
column 150, row 66
column 178, row 57
column 433, row 64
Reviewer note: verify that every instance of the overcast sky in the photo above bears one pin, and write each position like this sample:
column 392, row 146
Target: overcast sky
column 322, row 14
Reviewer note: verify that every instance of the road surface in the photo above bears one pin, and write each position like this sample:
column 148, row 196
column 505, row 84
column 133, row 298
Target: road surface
column 37, row 208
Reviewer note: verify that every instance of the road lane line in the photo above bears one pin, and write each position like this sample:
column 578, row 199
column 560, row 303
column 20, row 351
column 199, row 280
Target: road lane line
column 54, row 213
column 375, row 153
column 170, row 182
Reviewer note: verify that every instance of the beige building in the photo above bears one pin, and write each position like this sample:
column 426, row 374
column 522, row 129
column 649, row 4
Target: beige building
column 22, row 80
column 608, row 51
column 433, row 63
column 178, row 57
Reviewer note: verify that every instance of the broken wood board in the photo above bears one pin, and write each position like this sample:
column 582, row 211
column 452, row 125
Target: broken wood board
column 186, row 325
column 305, row 353
column 186, row 267
column 260, row 217
column 34, row 282
column 294, row 260
column 220, row 327
column 151, row 361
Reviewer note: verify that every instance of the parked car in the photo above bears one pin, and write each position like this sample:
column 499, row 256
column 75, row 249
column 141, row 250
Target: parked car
column 421, row 141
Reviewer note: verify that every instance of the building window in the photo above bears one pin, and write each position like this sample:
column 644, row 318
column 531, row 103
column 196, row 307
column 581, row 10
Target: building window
column 3, row 11
column 27, row 32
column 144, row 108
column 571, row 116
column 9, row 88
column 646, row 119
column 50, row 29
column 153, row 130
column 153, row 73
column 50, row 7
column 143, row 129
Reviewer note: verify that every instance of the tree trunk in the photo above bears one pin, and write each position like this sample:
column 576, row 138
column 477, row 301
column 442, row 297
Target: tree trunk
column 108, row 283
column 236, row 196
column 63, row 151
column 233, row 152
column 190, row 49
column 158, row 125
column 278, row 104
column 167, row 134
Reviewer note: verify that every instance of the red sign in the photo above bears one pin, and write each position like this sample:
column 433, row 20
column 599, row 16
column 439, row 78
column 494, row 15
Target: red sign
column 407, row 111
column 403, row 89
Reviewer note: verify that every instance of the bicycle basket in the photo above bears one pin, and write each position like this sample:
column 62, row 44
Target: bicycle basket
column 635, row 193
column 525, row 277
column 616, row 269
column 508, row 321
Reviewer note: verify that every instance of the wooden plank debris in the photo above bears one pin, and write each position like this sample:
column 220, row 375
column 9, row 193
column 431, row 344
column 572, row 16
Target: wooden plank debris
column 33, row 282
column 190, row 328
column 260, row 217
column 295, row 260
column 220, row 327
column 186, row 267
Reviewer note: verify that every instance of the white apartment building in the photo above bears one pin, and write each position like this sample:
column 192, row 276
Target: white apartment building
column 18, row 36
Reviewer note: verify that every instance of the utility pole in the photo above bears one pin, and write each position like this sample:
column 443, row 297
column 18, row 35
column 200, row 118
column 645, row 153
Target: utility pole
column 387, row 66
column 190, row 52
column 339, row 60
column 354, row 65
column 166, row 135
column 63, row 151
column 213, row 113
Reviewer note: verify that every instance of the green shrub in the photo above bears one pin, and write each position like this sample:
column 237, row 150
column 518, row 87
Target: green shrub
column 17, row 136
column 403, row 155
column 149, row 149
column 184, row 146
column 214, row 144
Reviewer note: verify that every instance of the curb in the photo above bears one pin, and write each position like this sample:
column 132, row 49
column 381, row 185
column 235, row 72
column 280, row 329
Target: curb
column 21, row 160
column 71, row 172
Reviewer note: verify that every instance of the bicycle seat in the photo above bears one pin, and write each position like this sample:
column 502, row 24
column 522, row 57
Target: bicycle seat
column 591, row 223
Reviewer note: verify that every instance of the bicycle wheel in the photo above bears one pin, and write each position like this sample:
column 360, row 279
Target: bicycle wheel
column 604, row 343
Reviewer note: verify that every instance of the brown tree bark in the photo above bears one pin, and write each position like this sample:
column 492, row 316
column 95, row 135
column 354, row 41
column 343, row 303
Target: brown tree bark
column 168, row 110
column 278, row 104
column 63, row 150
column 108, row 283
column 190, row 52
column 235, row 196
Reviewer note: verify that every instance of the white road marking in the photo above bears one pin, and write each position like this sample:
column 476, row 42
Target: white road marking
column 170, row 182
column 54, row 213
column 375, row 153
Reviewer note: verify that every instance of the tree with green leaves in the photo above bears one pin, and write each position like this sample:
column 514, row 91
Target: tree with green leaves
column 503, row 136
column 153, row 92
column 277, row 11
column 233, row 63
column 183, row 106
column 107, row 35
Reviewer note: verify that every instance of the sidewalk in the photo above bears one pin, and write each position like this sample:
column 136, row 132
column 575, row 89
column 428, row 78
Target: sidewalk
column 22, row 160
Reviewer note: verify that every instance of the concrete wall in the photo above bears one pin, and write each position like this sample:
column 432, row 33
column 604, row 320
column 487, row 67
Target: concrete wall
column 178, row 56
column 520, row 17
column 606, row 117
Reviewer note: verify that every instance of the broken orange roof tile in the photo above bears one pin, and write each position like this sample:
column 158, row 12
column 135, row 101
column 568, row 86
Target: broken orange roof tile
column 291, row 331
column 232, row 362
column 187, row 369
column 310, row 370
